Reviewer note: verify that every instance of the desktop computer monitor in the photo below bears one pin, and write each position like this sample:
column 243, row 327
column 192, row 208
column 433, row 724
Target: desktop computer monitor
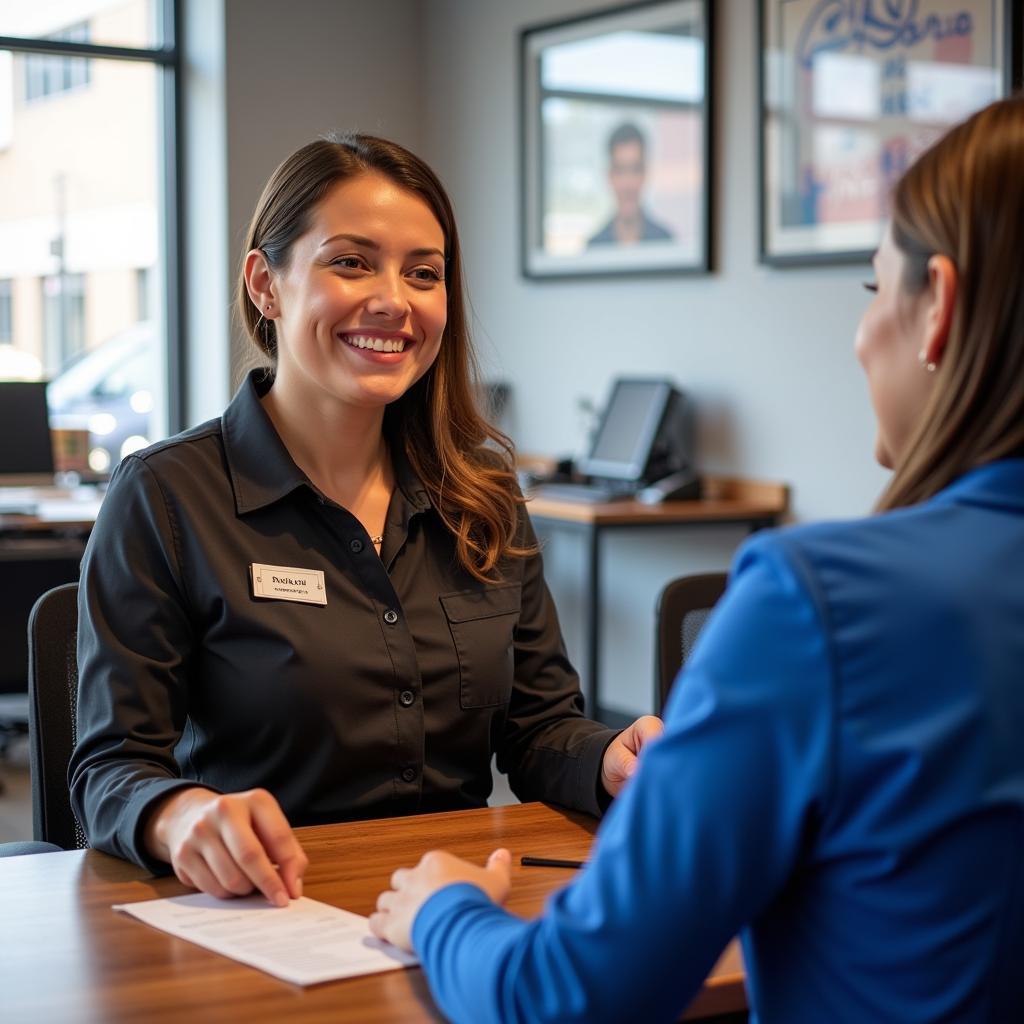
column 645, row 433
column 26, row 452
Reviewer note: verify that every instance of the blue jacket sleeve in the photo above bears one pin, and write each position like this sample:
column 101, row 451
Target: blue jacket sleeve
column 702, row 839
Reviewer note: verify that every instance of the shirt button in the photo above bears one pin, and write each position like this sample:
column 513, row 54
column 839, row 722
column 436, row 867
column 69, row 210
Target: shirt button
column 391, row 616
column 355, row 546
column 407, row 698
column 408, row 774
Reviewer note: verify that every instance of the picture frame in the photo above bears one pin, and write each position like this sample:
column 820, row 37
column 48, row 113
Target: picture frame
column 615, row 126
column 850, row 94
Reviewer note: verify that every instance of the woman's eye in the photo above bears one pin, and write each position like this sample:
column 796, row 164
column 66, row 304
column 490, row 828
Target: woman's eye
column 427, row 274
column 871, row 286
column 347, row 262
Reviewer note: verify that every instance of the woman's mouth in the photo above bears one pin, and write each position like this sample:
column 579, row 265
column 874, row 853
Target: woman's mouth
column 374, row 343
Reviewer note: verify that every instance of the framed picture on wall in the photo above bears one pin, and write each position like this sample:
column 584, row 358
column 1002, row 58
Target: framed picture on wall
column 615, row 142
column 851, row 94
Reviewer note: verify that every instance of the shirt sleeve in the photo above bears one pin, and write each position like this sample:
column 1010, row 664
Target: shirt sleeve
column 549, row 749
column 701, row 840
column 134, row 641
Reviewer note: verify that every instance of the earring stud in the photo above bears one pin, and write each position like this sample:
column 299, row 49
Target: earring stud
column 926, row 362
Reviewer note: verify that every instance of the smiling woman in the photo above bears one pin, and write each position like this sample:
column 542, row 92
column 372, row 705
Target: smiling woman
column 359, row 311
column 356, row 239
column 329, row 603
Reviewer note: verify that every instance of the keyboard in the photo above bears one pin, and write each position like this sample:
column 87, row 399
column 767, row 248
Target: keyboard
column 588, row 494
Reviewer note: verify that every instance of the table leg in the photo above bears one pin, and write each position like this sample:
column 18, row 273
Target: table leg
column 592, row 680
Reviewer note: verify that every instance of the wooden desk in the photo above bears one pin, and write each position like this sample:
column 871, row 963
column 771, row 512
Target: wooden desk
column 66, row 956
column 752, row 503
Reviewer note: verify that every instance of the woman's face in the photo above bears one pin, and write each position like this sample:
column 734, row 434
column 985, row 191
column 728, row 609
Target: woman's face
column 890, row 337
column 362, row 303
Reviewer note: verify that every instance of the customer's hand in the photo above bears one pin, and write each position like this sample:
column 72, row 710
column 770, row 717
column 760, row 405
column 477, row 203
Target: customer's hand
column 398, row 906
column 620, row 758
column 228, row 844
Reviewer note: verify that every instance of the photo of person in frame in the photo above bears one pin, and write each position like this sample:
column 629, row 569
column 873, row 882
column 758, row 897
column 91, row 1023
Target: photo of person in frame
column 627, row 169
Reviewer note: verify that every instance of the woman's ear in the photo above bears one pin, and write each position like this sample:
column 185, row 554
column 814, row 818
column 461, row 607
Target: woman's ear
column 259, row 281
column 941, row 301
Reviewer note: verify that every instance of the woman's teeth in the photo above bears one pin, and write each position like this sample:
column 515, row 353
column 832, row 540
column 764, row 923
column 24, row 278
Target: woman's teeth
column 377, row 344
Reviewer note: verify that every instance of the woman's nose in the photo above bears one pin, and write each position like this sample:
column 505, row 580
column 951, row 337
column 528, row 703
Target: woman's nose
column 387, row 297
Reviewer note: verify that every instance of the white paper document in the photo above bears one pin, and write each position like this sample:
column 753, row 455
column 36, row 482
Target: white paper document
column 305, row 943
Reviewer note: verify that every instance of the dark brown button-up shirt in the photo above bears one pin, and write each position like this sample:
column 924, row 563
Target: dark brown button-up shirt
column 388, row 699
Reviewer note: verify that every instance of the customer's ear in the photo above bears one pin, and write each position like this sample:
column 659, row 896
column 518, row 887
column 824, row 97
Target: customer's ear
column 940, row 299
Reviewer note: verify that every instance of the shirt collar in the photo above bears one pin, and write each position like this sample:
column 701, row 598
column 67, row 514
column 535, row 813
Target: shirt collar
column 997, row 484
column 262, row 471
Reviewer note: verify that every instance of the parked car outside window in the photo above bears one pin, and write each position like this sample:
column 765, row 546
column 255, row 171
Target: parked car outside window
column 109, row 392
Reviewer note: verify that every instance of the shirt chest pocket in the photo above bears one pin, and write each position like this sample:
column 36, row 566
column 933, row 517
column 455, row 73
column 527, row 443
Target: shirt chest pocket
column 482, row 625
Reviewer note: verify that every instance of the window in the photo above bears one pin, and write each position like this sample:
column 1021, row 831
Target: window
column 46, row 75
column 88, row 210
column 6, row 313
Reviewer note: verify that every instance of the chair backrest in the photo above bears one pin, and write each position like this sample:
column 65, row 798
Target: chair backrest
column 52, row 714
column 683, row 608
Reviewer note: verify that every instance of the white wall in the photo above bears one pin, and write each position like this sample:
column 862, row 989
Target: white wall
column 767, row 354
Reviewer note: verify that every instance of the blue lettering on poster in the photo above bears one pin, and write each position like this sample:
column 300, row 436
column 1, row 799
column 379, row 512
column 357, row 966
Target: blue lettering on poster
column 873, row 24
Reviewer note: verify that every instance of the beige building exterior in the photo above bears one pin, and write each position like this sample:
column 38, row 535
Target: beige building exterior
column 79, row 144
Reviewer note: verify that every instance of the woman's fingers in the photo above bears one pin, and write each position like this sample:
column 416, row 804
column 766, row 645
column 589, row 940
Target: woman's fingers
column 191, row 868
column 278, row 840
column 230, row 844
column 223, row 863
column 256, row 834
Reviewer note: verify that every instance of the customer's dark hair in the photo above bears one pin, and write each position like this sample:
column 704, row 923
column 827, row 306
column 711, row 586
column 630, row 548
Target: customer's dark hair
column 465, row 463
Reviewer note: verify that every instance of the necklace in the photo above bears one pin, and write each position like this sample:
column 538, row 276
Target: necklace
column 377, row 540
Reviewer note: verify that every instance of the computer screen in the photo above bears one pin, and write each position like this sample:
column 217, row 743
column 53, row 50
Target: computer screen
column 627, row 431
column 26, row 454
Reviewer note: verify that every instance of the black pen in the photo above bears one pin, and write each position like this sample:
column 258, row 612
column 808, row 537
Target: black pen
column 549, row 862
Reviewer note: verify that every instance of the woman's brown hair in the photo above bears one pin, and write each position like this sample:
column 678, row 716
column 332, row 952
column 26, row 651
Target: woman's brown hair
column 464, row 462
column 964, row 199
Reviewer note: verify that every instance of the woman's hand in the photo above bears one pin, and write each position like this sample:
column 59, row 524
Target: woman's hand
column 228, row 844
column 619, row 761
column 398, row 906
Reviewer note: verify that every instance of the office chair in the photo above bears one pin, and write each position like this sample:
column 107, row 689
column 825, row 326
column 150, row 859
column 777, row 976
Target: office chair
column 683, row 608
column 53, row 700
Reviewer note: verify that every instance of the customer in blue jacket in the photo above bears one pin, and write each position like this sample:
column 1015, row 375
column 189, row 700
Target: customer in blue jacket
column 842, row 773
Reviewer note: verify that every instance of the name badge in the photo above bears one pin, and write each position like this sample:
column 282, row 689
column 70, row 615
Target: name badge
column 286, row 583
